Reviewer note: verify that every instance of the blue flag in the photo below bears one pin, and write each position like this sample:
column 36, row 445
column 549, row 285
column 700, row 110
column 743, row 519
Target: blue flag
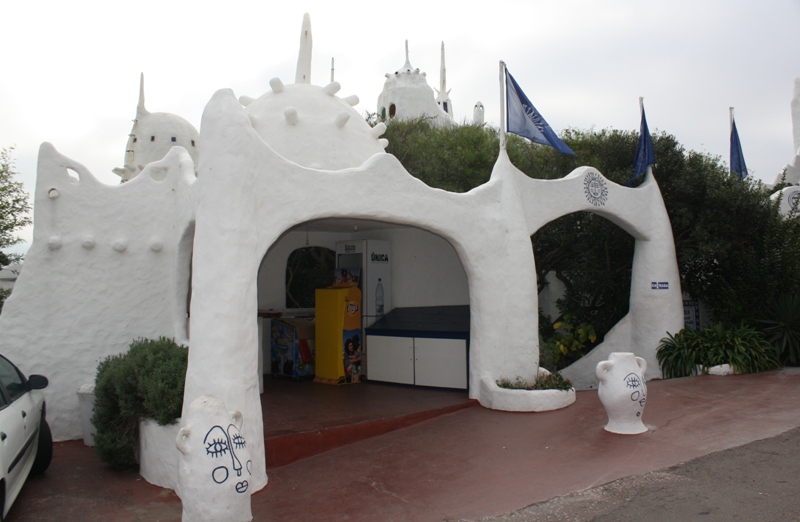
column 738, row 166
column 644, row 151
column 524, row 120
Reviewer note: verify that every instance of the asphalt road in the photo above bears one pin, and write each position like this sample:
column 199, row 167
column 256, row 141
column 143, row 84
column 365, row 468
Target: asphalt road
column 759, row 481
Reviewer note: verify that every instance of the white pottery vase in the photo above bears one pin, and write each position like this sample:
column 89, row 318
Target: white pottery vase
column 214, row 464
column 623, row 392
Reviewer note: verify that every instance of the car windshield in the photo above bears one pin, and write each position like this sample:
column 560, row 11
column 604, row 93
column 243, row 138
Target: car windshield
column 12, row 379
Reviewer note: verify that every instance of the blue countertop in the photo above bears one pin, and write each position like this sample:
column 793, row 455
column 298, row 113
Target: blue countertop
column 442, row 322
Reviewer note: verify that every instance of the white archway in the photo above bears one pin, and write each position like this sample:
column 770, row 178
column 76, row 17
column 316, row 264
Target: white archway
column 247, row 196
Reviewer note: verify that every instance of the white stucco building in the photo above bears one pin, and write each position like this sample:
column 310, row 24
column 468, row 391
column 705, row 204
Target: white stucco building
column 204, row 233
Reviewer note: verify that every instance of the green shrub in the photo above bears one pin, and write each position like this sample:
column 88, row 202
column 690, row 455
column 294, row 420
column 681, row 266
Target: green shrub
column 147, row 381
column 677, row 355
column 549, row 356
column 744, row 348
column 550, row 381
column 782, row 329
column 567, row 343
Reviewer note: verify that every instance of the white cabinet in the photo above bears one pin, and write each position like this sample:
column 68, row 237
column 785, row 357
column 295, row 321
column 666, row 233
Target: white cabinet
column 390, row 359
column 417, row 360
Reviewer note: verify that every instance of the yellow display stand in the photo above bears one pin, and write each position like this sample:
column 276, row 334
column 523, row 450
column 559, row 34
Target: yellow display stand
column 338, row 320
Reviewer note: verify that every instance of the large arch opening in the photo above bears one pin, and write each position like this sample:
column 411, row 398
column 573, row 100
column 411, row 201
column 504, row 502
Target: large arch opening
column 426, row 281
column 584, row 264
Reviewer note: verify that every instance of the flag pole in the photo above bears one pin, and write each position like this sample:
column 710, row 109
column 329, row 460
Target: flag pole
column 502, row 105
column 731, row 122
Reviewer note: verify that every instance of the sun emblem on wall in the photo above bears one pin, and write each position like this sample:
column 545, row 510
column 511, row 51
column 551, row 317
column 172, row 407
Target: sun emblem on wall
column 595, row 188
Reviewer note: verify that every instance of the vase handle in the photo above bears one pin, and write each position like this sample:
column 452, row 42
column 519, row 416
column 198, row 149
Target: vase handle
column 642, row 365
column 180, row 440
column 238, row 420
column 603, row 367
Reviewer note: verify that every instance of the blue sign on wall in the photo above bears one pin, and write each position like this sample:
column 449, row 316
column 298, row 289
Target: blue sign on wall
column 659, row 285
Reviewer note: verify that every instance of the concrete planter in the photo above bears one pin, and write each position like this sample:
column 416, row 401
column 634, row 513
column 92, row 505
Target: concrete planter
column 525, row 400
column 720, row 369
column 86, row 402
column 158, row 455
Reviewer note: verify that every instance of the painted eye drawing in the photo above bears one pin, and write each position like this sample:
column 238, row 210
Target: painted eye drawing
column 216, row 442
column 632, row 380
column 238, row 441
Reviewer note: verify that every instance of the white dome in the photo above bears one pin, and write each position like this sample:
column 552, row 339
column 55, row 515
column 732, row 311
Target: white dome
column 152, row 136
column 313, row 127
column 406, row 95
column 157, row 132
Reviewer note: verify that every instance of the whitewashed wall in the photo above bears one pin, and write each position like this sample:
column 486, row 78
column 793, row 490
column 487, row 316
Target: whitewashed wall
column 100, row 272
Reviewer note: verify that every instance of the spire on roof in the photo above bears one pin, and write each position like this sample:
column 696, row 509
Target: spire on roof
column 442, row 94
column 303, row 74
column 407, row 66
column 442, row 74
column 140, row 110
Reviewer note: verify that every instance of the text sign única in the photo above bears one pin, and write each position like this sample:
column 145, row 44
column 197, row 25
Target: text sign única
column 659, row 285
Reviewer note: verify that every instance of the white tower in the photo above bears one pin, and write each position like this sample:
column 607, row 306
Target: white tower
column 443, row 95
column 793, row 169
column 477, row 114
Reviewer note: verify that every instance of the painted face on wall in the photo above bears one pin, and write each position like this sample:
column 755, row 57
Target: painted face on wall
column 225, row 444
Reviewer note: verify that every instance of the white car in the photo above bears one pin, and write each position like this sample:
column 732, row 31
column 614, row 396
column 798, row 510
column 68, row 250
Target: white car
column 26, row 444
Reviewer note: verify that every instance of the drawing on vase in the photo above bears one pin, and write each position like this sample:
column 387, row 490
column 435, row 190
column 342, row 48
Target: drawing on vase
column 218, row 443
column 635, row 381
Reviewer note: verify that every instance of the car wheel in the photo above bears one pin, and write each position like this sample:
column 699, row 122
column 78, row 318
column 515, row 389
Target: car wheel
column 44, row 453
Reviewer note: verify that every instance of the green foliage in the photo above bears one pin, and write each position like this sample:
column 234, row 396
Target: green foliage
column 782, row 329
column 4, row 293
column 677, row 355
column 457, row 158
column 14, row 207
column 147, row 381
column 14, row 212
column 735, row 251
column 549, row 381
column 568, row 343
column 744, row 348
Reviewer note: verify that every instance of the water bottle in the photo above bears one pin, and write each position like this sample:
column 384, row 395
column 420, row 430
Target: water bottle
column 379, row 298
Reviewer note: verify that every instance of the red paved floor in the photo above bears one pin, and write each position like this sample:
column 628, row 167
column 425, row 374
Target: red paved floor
column 303, row 418
column 462, row 465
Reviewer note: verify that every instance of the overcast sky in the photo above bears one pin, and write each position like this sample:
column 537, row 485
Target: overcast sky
column 70, row 70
